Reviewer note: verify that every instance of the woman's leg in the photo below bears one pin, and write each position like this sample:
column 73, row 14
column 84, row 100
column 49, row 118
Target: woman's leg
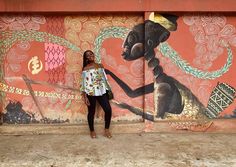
column 91, row 112
column 105, row 104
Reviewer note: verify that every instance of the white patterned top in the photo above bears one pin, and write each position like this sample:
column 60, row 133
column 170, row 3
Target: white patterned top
column 94, row 82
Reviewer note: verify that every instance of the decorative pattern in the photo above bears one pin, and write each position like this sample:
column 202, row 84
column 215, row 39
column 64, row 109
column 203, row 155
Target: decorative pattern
column 167, row 51
column 11, row 89
column 192, row 126
column 21, row 22
column 55, row 25
column 55, row 63
column 8, row 38
column 221, row 97
column 115, row 32
column 55, row 54
column 209, row 31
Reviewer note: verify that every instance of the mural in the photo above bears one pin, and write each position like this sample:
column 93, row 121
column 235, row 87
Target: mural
column 171, row 95
column 41, row 66
column 164, row 67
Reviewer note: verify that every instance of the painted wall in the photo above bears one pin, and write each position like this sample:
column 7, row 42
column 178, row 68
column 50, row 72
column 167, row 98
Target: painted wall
column 189, row 75
column 41, row 63
column 194, row 74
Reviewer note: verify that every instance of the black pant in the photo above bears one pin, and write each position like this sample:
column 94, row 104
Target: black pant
column 104, row 102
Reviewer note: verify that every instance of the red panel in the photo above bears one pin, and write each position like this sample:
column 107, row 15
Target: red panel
column 117, row 5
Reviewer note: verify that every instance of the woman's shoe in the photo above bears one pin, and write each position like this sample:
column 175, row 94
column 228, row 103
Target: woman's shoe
column 93, row 135
column 107, row 133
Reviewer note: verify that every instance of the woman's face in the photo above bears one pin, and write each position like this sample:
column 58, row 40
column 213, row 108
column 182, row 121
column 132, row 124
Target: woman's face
column 90, row 57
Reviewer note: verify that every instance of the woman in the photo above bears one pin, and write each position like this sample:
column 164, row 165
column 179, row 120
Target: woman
column 94, row 86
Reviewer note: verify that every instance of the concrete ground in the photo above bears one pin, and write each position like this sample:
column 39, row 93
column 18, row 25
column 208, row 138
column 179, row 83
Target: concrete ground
column 131, row 150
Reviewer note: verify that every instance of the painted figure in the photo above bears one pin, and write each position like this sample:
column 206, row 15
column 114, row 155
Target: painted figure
column 141, row 41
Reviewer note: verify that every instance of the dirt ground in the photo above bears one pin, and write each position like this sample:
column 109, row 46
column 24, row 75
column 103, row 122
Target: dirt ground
column 143, row 149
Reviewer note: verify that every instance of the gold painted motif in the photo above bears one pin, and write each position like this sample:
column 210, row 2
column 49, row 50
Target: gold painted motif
column 35, row 65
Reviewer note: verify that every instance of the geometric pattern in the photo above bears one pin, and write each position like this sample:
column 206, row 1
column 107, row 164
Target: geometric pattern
column 55, row 54
column 55, row 63
column 55, row 25
column 221, row 97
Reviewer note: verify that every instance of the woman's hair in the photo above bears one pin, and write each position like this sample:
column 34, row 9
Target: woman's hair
column 85, row 60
